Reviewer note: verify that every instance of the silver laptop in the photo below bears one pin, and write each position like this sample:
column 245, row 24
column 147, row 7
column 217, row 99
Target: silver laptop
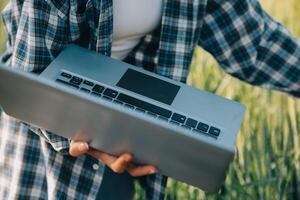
column 189, row 134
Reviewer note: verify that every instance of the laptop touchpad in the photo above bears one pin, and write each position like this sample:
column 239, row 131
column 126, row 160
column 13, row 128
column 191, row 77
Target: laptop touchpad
column 148, row 86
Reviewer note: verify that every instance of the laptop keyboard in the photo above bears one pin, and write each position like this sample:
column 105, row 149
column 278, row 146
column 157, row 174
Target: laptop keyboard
column 138, row 105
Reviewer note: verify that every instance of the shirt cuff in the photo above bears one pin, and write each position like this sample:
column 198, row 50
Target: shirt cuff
column 59, row 143
column 154, row 185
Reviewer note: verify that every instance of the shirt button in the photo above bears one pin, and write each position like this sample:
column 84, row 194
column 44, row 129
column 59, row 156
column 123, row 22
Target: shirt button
column 95, row 166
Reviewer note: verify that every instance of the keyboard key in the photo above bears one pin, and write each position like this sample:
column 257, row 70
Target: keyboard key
column 66, row 75
column 118, row 102
column 191, row 123
column 67, row 83
column 179, row 118
column 107, row 98
column 96, row 94
column 144, row 105
column 129, row 106
column 89, row 83
column 186, row 127
column 85, row 90
column 214, row 131
column 76, row 80
column 98, row 88
column 111, row 93
column 202, row 127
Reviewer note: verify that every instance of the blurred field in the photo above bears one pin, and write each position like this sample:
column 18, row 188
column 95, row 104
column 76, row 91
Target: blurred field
column 2, row 31
column 267, row 165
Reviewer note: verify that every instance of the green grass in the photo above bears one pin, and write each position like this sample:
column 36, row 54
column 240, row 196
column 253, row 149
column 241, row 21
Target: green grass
column 267, row 165
column 2, row 31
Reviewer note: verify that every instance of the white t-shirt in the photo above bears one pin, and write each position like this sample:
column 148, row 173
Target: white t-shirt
column 133, row 19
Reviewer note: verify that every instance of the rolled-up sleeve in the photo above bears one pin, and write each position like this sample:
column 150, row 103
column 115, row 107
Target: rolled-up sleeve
column 248, row 44
column 59, row 143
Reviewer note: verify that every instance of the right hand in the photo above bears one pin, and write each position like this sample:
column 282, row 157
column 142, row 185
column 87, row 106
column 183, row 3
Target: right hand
column 118, row 164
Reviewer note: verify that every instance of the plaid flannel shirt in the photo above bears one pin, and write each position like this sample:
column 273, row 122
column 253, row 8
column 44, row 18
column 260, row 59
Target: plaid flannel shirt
column 246, row 42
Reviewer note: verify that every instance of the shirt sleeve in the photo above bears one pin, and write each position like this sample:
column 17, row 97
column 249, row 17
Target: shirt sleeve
column 59, row 143
column 250, row 45
column 31, row 46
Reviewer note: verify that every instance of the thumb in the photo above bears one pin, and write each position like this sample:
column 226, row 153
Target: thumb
column 78, row 148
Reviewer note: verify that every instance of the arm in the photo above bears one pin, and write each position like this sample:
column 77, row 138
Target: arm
column 58, row 143
column 33, row 42
column 31, row 55
column 250, row 45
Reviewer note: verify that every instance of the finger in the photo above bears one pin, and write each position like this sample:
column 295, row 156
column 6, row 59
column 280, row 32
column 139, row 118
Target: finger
column 78, row 148
column 121, row 164
column 104, row 157
column 117, row 164
column 141, row 170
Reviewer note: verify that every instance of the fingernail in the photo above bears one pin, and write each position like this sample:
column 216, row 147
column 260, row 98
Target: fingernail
column 153, row 171
column 83, row 146
column 128, row 159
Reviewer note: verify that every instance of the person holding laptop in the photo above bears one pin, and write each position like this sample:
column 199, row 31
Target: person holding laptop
column 158, row 35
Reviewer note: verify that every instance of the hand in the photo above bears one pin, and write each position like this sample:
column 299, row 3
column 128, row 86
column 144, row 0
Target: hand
column 117, row 164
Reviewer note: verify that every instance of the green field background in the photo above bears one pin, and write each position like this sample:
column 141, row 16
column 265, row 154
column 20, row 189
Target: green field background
column 267, row 163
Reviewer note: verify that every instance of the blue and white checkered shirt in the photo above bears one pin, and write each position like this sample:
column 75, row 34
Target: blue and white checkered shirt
column 246, row 42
